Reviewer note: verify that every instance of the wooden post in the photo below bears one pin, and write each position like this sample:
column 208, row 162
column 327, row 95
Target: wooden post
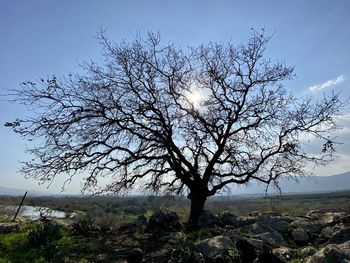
column 20, row 205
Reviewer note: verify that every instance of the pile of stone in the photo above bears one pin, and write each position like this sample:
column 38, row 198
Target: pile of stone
column 319, row 236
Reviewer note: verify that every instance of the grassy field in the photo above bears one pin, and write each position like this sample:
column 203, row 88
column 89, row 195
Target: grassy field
column 116, row 211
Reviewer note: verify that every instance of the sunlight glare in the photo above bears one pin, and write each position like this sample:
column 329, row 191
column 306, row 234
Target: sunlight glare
column 195, row 98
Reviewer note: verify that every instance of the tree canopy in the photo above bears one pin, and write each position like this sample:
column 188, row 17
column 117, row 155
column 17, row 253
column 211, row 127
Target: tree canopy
column 176, row 120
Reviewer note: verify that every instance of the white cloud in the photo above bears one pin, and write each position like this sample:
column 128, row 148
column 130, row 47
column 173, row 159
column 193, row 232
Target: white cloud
column 341, row 164
column 327, row 84
column 343, row 117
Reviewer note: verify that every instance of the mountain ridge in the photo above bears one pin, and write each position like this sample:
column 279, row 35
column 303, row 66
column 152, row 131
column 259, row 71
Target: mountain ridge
column 331, row 183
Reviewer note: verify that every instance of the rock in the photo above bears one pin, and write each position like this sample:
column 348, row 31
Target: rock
column 207, row 219
column 312, row 227
column 253, row 250
column 245, row 220
column 327, row 218
column 104, row 228
column 165, row 221
column 247, row 250
column 276, row 222
column 332, row 253
column 345, row 248
column 135, row 255
column 283, row 253
column 9, row 227
column 340, row 236
column 214, row 246
column 227, row 218
column 253, row 229
column 128, row 229
column 273, row 239
column 170, row 237
column 300, row 236
column 255, row 213
column 266, row 256
column 331, row 218
column 282, row 226
column 345, row 220
column 141, row 220
column 258, row 244
column 328, row 231
column 307, row 251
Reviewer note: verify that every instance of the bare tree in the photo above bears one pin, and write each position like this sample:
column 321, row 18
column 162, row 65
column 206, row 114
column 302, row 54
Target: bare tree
column 174, row 120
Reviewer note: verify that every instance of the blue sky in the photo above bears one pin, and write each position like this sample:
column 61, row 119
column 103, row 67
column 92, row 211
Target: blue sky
column 40, row 38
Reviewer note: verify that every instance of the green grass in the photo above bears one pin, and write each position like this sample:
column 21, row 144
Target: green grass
column 15, row 248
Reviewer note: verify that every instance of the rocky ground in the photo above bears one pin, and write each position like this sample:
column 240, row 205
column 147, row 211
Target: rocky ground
column 319, row 236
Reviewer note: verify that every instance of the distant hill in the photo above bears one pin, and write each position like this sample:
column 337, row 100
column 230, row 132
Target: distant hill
column 20, row 192
column 11, row 191
column 339, row 182
column 314, row 184
column 332, row 183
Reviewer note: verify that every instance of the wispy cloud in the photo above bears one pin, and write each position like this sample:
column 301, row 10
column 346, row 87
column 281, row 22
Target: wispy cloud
column 327, row 84
column 343, row 117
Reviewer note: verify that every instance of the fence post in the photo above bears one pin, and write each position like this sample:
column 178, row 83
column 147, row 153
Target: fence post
column 20, row 205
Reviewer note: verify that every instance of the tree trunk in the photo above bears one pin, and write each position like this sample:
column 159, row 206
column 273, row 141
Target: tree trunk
column 197, row 206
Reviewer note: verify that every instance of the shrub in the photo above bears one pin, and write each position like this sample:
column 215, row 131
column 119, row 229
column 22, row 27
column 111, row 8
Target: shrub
column 84, row 226
column 43, row 234
column 44, row 237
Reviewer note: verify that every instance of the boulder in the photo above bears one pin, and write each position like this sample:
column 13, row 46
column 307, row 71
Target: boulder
column 345, row 220
column 135, row 255
column 212, row 247
column 126, row 255
column 141, row 220
column 253, row 229
column 227, row 219
column 332, row 253
column 104, row 228
column 273, row 239
column 327, row 218
column 300, row 236
column 9, row 227
column 328, row 231
column 278, row 223
column 255, row 213
column 283, row 253
column 310, row 226
column 281, row 226
column 340, row 236
column 253, row 250
column 245, row 220
column 345, row 248
column 247, row 251
column 267, row 256
column 331, row 218
column 207, row 219
column 257, row 243
column 307, row 251
column 164, row 220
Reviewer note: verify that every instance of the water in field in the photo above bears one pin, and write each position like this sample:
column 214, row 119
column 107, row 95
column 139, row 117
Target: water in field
column 33, row 212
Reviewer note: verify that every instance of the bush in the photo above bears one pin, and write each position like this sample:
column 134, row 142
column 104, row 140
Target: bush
column 43, row 234
column 84, row 226
column 44, row 237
